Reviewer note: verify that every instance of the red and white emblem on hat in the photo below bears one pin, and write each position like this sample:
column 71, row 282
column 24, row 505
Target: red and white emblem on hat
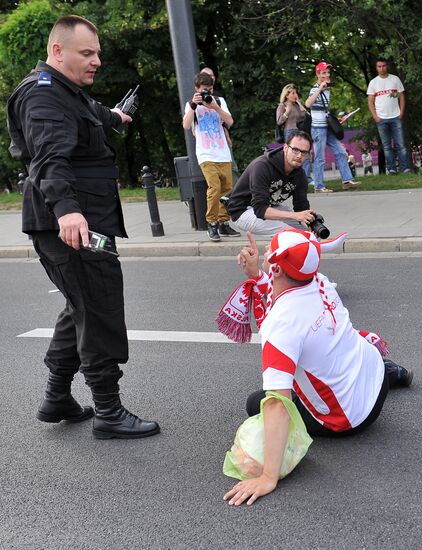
column 296, row 252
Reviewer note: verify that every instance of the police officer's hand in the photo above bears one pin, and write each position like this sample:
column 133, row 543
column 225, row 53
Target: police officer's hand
column 73, row 229
column 125, row 118
column 306, row 216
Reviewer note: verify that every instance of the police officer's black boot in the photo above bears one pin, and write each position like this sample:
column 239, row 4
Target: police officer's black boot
column 397, row 375
column 112, row 420
column 58, row 403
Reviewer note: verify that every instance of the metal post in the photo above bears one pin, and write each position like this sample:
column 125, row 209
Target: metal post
column 186, row 63
column 148, row 182
column 21, row 181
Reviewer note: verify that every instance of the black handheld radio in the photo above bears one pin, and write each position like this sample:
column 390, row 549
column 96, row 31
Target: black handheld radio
column 128, row 105
column 99, row 243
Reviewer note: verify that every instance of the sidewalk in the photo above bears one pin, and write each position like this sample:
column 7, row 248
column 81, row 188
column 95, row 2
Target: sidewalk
column 377, row 221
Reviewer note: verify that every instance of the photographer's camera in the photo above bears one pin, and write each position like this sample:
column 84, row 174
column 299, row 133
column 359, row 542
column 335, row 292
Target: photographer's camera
column 206, row 96
column 318, row 227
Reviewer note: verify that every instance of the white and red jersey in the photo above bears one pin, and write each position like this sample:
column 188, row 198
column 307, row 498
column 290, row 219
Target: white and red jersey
column 336, row 373
column 386, row 92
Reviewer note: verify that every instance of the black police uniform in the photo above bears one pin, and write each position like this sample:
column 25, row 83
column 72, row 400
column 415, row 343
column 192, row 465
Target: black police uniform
column 58, row 131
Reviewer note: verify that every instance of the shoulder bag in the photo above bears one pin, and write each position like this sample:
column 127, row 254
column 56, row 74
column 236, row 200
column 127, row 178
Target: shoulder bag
column 305, row 124
column 333, row 122
column 279, row 133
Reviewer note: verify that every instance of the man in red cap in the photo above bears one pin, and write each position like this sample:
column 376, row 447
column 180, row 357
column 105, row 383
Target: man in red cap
column 339, row 376
column 319, row 103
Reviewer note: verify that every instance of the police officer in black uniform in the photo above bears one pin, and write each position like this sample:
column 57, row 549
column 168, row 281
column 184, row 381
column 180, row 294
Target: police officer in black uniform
column 58, row 131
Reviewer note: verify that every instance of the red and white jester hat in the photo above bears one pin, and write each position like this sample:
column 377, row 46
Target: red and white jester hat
column 296, row 252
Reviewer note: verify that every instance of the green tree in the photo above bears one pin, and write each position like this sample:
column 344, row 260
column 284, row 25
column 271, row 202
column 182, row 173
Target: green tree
column 254, row 47
column 350, row 34
column 23, row 40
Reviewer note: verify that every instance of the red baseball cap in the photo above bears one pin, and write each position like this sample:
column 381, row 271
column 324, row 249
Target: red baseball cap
column 322, row 65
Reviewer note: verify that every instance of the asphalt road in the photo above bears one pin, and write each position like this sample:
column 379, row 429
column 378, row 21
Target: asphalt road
column 62, row 489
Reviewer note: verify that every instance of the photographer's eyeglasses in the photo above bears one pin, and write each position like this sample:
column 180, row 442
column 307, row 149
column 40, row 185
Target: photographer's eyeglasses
column 297, row 151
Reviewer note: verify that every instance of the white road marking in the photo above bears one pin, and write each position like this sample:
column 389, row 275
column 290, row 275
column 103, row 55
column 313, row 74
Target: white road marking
column 154, row 336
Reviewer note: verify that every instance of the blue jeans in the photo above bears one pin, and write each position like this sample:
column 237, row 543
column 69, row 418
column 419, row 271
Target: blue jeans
column 323, row 137
column 307, row 164
column 391, row 129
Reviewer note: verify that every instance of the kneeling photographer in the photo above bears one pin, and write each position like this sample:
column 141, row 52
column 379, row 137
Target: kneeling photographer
column 256, row 203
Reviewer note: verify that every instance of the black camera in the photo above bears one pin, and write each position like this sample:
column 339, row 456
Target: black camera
column 318, row 227
column 206, row 96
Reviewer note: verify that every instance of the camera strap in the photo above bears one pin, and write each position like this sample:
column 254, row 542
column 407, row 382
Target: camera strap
column 324, row 102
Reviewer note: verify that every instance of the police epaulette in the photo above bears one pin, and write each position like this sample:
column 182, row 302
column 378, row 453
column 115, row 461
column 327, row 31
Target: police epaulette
column 44, row 79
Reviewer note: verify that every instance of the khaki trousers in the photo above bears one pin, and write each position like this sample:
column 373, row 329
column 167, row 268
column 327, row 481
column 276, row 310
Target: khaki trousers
column 218, row 176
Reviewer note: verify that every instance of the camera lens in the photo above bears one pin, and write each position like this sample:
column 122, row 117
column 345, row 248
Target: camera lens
column 318, row 227
column 206, row 96
column 323, row 232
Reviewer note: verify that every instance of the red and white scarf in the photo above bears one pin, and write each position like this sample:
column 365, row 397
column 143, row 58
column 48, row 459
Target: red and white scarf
column 234, row 318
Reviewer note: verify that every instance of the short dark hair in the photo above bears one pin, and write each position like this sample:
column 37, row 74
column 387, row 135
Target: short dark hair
column 67, row 24
column 70, row 22
column 296, row 282
column 381, row 60
column 299, row 134
column 203, row 79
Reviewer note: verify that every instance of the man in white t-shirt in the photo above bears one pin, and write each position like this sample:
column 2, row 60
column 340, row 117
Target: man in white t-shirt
column 387, row 103
column 339, row 377
column 207, row 113
column 235, row 168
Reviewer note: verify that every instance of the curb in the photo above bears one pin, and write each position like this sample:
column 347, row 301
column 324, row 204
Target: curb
column 222, row 249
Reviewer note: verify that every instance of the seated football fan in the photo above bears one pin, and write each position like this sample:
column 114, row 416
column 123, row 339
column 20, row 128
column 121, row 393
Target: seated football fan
column 337, row 376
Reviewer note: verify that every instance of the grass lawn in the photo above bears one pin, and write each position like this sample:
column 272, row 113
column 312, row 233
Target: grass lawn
column 369, row 183
column 379, row 183
column 13, row 201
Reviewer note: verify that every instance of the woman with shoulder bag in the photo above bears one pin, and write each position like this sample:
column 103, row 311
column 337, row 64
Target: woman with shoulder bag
column 291, row 115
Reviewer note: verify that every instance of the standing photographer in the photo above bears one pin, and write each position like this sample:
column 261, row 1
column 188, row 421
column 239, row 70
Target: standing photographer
column 319, row 102
column 207, row 114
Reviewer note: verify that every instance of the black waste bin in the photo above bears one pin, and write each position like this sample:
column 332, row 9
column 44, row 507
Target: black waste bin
column 193, row 190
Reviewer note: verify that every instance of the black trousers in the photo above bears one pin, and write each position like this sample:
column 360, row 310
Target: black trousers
column 90, row 333
column 313, row 427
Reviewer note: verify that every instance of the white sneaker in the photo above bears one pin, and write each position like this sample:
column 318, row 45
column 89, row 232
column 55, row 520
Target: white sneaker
column 352, row 184
column 322, row 190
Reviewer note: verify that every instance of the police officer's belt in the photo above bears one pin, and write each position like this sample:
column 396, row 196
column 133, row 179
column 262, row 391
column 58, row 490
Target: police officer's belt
column 107, row 172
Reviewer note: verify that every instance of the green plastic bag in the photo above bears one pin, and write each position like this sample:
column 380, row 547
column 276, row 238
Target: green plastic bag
column 245, row 459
